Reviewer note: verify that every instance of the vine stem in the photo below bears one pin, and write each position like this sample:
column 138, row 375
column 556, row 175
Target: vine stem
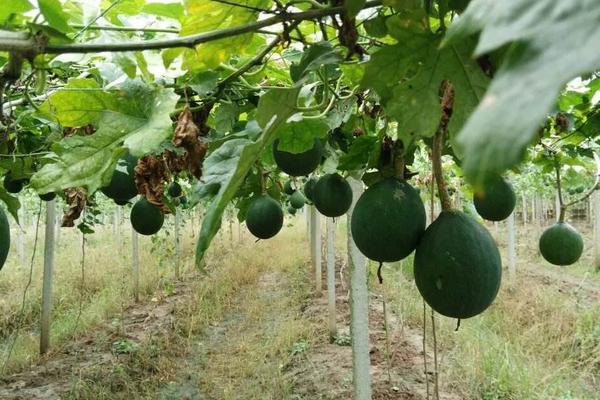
column 436, row 388
column 259, row 57
column 123, row 28
column 447, row 104
column 26, row 44
column 594, row 187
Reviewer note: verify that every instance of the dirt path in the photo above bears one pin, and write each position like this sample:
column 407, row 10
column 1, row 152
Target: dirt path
column 54, row 377
column 270, row 342
column 581, row 287
column 326, row 370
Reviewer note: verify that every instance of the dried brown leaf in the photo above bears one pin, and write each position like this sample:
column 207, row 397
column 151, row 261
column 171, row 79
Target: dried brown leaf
column 151, row 173
column 76, row 199
column 186, row 135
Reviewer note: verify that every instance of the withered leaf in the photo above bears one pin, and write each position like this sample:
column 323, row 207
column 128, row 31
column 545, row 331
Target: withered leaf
column 76, row 199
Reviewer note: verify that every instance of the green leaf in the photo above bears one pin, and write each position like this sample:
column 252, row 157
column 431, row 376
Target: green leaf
column 12, row 203
column 408, row 77
column 205, row 82
column 353, row 7
column 205, row 16
column 358, row 156
column 226, row 116
column 299, row 136
column 53, row 12
column 10, row 7
column 230, row 163
column 376, row 27
column 168, row 10
column 138, row 118
column 72, row 107
column 552, row 44
column 317, row 55
column 276, row 103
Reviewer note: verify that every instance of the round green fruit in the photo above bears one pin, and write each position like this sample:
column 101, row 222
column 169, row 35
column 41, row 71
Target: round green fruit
column 146, row 218
column 332, row 195
column 292, row 210
column 48, row 196
column 4, row 238
column 561, row 244
column 13, row 185
column 298, row 164
column 297, row 200
column 288, row 188
column 122, row 183
column 388, row 220
column 309, row 187
column 174, row 190
column 496, row 201
column 264, row 217
column 183, row 200
column 457, row 266
column 120, row 202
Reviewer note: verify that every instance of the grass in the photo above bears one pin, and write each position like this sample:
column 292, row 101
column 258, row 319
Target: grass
column 256, row 303
column 243, row 324
column 533, row 343
column 104, row 292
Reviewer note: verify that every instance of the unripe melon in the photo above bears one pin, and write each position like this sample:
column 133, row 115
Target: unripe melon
column 309, row 187
column 561, row 244
column 288, row 188
column 297, row 200
column 496, row 200
column 122, row 183
column 174, row 190
column 292, row 210
column 120, row 202
column 264, row 217
column 388, row 220
column 457, row 266
column 298, row 164
column 13, row 185
column 146, row 218
column 4, row 237
column 332, row 195
column 48, row 196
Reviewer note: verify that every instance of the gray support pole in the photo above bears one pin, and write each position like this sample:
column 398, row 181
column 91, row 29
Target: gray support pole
column 177, row 244
column 47, row 279
column 359, row 308
column 315, row 247
column 512, row 248
column 135, row 263
column 331, row 278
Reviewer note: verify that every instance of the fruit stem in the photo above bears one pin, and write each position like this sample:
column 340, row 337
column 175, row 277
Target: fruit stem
column 447, row 103
column 379, row 275
column 563, row 207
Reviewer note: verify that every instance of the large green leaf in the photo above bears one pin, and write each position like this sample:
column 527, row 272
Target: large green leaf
column 79, row 103
column 206, row 16
column 12, row 203
column 10, row 7
column 408, row 77
column 297, row 136
column 552, row 42
column 54, row 14
column 228, row 166
column 317, row 55
column 353, row 7
column 138, row 118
